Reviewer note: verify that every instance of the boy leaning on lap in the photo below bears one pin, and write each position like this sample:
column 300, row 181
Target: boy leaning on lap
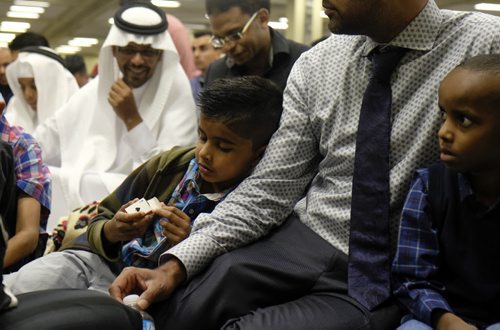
column 238, row 117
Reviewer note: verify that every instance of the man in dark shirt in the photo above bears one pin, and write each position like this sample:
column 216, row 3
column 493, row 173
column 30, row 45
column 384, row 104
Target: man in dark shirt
column 240, row 28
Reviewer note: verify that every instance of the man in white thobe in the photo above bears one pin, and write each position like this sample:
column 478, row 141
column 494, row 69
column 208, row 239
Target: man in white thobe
column 139, row 105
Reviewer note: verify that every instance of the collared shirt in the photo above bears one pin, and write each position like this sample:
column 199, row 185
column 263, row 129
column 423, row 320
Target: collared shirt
column 33, row 177
column 283, row 55
column 315, row 144
column 187, row 197
column 417, row 256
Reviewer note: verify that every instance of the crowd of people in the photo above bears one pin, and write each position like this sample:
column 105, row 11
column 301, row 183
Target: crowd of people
column 244, row 180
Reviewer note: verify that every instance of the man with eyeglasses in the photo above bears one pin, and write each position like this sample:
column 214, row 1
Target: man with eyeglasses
column 139, row 105
column 240, row 29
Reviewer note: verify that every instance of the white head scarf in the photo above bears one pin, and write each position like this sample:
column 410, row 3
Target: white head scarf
column 54, row 84
column 102, row 135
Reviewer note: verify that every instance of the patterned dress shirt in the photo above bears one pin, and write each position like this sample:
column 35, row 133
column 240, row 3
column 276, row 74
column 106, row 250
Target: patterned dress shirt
column 315, row 145
column 33, row 177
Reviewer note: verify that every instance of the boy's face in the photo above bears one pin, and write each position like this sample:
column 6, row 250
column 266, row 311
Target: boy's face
column 30, row 93
column 224, row 157
column 470, row 133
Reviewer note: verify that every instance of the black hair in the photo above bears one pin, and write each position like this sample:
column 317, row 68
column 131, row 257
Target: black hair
column 247, row 6
column 28, row 39
column 202, row 33
column 250, row 106
column 75, row 63
column 489, row 63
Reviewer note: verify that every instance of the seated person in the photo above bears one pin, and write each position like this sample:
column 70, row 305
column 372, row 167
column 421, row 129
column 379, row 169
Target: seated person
column 238, row 117
column 41, row 84
column 446, row 268
column 27, row 217
column 139, row 105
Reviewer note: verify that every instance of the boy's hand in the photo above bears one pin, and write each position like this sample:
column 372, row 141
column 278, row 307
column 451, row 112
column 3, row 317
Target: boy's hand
column 122, row 100
column 449, row 321
column 152, row 284
column 126, row 226
column 178, row 224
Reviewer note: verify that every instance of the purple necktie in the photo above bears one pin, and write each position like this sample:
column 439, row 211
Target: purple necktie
column 369, row 246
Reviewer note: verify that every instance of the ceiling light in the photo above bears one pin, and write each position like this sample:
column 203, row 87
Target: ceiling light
column 83, row 42
column 65, row 49
column 27, row 9
column 166, row 4
column 14, row 26
column 15, row 14
column 32, row 3
column 7, row 37
column 487, row 6
column 281, row 24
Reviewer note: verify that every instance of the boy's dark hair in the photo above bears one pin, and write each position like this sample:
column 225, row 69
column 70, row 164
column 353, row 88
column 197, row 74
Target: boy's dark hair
column 202, row 33
column 247, row 6
column 489, row 64
column 75, row 63
column 250, row 106
column 28, row 39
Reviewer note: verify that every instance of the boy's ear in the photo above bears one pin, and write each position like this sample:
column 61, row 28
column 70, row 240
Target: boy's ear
column 258, row 155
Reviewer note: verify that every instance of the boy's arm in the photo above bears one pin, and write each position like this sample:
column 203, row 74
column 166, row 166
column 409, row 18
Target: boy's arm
column 144, row 180
column 24, row 242
column 416, row 262
column 99, row 231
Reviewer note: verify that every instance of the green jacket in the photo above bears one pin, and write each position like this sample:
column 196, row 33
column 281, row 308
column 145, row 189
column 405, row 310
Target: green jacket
column 157, row 177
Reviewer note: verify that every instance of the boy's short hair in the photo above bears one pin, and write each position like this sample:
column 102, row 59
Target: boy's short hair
column 488, row 64
column 250, row 106
column 247, row 6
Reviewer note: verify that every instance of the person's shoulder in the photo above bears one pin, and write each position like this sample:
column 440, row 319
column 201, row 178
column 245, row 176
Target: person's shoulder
column 176, row 156
column 470, row 21
column 216, row 69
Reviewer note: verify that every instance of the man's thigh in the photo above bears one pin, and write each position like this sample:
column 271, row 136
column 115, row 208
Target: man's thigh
column 291, row 275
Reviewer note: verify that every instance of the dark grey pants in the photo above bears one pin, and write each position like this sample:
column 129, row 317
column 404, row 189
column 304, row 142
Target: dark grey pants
column 290, row 279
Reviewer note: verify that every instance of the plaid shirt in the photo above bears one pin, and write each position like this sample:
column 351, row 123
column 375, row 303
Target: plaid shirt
column 33, row 177
column 416, row 260
column 186, row 197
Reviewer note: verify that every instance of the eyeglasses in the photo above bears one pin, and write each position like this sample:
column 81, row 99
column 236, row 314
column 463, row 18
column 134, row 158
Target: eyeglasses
column 219, row 42
column 146, row 53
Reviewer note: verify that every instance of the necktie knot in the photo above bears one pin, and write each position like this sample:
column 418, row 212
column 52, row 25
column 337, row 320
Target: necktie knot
column 385, row 61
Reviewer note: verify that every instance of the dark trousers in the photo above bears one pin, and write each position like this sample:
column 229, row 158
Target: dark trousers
column 290, row 279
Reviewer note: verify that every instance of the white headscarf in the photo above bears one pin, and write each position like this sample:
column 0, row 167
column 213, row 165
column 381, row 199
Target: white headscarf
column 54, row 84
column 154, row 99
column 166, row 107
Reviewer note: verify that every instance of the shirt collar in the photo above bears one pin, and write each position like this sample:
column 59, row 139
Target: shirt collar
column 426, row 26
column 192, row 181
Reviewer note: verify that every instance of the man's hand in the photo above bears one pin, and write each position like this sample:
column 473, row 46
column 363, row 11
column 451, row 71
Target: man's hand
column 122, row 100
column 126, row 226
column 449, row 321
column 152, row 284
column 177, row 225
